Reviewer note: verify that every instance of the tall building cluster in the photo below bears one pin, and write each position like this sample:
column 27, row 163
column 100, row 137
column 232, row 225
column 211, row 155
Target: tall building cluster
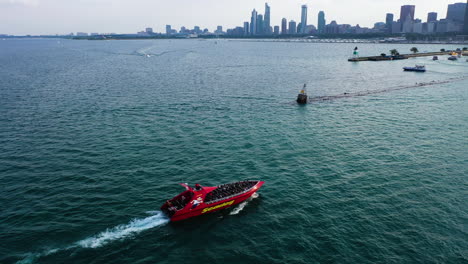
column 456, row 20
column 261, row 26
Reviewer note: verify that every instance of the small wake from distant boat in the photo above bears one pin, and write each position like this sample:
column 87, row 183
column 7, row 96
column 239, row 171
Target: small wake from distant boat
column 119, row 232
column 241, row 206
column 149, row 52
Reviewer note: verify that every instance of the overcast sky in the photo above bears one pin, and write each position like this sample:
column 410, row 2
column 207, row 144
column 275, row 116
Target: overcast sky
column 22, row 17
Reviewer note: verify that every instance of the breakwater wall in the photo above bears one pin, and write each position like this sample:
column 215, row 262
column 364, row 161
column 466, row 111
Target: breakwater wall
column 400, row 57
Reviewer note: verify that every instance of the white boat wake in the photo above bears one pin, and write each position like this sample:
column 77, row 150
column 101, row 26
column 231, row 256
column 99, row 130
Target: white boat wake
column 119, row 232
column 241, row 206
column 122, row 231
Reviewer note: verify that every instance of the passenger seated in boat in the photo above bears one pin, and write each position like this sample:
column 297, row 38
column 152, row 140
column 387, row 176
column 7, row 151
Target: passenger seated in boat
column 196, row 202
column 229, row 190
column 198, row 187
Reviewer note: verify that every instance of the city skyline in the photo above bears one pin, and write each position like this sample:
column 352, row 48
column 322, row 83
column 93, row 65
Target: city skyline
column 23, row 17
column 260, row 25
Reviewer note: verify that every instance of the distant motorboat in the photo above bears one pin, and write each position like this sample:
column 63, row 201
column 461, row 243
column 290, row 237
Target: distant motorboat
column 417, row 68
column 435, row 58
column 453, row 58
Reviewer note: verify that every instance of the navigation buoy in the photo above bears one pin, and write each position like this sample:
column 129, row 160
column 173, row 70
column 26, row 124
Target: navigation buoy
column 302, row 96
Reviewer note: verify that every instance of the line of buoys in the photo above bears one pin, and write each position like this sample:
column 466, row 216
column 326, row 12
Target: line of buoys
column 364, row 93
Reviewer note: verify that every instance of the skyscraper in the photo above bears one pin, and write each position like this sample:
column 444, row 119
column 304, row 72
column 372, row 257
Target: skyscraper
column 266, row 21
column 465, row 27
column 299, row 29
column 389, row 22
column 253, row 23
column 396, row 27
column 260, row 24
column 168, row 29
column 456, row 12
column 276, row 30
column 407, row 12
column 303, row 19
column 321, row 22
column 431, row 17
column 284, row 26
column 292, row 27
column 246, row 28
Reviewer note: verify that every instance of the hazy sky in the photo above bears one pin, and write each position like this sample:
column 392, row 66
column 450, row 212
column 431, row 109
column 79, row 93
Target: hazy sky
column 129, row 16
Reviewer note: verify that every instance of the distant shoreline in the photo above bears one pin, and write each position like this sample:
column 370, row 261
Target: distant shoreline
column 347, row 41
column 288, row 39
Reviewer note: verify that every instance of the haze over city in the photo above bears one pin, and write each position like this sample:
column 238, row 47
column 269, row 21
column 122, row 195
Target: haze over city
column 21, row 17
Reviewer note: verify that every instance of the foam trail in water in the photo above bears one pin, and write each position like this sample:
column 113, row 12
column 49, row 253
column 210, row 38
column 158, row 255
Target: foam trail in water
column 241, row 206
column 152, row 212
column 123, row 231
column 32, row 257
column 116, row 233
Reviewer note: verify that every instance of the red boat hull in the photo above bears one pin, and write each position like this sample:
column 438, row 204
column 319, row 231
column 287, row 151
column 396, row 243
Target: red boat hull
column 201, row 202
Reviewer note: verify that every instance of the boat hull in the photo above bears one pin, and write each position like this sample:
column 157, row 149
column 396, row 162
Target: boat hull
column 192, row 210
column 212, row 207
column 415, row 69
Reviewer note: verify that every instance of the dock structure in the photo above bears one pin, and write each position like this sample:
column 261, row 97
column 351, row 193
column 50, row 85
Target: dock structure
column 400, row 57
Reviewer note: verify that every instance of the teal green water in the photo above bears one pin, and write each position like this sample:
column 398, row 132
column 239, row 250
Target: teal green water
column 95, row 136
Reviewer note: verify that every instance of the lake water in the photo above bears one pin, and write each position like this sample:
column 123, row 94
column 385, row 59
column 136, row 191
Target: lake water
column 95, row 136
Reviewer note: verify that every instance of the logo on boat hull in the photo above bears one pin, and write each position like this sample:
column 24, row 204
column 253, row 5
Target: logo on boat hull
column 217, row 206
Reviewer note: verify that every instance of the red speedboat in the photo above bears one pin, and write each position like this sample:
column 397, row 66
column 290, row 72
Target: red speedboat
column 202, row 200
